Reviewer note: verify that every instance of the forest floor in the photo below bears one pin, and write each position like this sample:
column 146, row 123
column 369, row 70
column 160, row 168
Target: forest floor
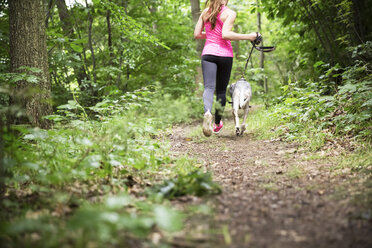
column 274, row 194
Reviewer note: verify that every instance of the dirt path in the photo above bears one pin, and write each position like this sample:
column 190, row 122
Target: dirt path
column 274, row 194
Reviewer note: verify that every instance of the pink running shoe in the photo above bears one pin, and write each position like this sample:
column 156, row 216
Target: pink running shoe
column 217, row 128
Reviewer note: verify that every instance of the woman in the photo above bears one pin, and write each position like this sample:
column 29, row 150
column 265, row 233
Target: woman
column 217, row 57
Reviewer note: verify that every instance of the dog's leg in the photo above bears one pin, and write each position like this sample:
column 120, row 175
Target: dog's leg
column 236, row 116
column 246, row 110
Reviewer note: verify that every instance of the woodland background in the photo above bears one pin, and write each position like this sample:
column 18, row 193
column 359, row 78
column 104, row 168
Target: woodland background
column 89, row 88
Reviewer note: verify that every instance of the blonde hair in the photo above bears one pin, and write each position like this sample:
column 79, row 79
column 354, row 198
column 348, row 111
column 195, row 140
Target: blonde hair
column 215, row 7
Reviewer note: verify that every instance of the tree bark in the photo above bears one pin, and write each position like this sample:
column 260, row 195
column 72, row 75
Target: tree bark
column 236, row 43
column 49, row 13
column 109, row 32
column 2, row 165
column 90, row 18
column 124, row 3
column 195, row 12
column 262, row 82
column 153, row 9
column 28, row 48
column 68, row 30
column 65, row 18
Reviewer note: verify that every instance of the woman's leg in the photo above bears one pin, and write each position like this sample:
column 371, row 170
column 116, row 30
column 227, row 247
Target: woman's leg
column 209, row 68
column 224, row 67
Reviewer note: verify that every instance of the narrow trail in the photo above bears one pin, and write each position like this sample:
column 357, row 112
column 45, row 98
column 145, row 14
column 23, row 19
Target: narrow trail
column 275, row 194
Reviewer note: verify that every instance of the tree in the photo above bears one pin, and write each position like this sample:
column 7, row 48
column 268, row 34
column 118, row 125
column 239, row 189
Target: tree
column 90, row 42
column 262, row 55
column 195, row 12
column 68, row 30
column 28, row 50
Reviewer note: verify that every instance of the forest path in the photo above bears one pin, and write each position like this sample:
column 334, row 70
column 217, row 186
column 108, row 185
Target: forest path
column 274, row 194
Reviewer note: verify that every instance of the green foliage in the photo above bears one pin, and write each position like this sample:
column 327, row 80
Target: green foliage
column 195, row 183
column 306, row 107
column 70, row 184
column 109, row 222
column 144, row 50
column 131, row 29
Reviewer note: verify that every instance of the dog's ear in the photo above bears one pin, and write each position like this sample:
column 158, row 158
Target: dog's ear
column 231, row 89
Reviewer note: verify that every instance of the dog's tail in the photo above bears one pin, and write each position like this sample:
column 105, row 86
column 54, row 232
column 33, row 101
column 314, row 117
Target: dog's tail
column 244, row 100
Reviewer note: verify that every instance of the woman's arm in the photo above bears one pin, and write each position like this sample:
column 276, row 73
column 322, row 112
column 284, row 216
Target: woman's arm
column 227, row 32
column 199, row 27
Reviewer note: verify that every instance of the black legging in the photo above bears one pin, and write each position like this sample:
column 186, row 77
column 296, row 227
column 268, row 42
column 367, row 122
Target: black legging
column 216, row 74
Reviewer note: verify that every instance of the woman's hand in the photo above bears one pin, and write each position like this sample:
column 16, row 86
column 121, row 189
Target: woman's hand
column 227, row 32
column 258, row 39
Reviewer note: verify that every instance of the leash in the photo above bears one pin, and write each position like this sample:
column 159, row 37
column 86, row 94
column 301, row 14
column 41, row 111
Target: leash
column 264, row 49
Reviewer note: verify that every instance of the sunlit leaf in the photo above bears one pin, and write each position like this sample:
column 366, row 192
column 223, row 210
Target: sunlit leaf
column 168, row 219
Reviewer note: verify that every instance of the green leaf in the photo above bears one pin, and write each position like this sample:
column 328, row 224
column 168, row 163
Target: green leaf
column 76, row 48
column 55, row 117
column 289, row 101
column 367, row 103
column 96, row 2
column 32, row 79
column 70, row 105
column 168, row 219
column 117, row 202
column 319, row 63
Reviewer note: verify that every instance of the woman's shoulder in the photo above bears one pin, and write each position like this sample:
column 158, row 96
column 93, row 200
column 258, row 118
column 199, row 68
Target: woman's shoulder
column 205, row 11
column 227, row 13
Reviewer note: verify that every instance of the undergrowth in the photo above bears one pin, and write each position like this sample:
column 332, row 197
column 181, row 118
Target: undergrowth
column 336, row 106
column 92, row 180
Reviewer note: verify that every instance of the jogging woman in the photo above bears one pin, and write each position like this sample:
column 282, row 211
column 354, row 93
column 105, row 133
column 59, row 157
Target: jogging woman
column 217, row 57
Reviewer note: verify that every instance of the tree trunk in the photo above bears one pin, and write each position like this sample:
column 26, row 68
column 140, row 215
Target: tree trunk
column 236, row 43
column 195, row 12
column 2, row 165
column 90, row 18
column 49, row 13
column 28, row 48
column 65, row 18
column 236, row 47
column 124, row 3
column 68, row 30
column 109, row 32
column 262, row 82
column 153, row 9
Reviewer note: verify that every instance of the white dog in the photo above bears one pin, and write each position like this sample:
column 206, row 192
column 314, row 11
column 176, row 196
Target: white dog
column 241, row 94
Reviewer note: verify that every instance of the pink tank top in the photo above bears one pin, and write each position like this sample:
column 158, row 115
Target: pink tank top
column 214, row 44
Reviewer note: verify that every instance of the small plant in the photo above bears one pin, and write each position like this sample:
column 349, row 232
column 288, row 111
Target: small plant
column 295, row 172
column 195, row 183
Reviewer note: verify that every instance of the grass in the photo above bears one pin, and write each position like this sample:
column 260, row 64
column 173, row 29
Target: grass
column 270, row 186
column 262, row 125
column 196, row 134
column 360, row 160
column 295, row 172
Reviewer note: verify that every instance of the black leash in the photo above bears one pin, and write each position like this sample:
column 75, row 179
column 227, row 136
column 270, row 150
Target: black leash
column 264, row 49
